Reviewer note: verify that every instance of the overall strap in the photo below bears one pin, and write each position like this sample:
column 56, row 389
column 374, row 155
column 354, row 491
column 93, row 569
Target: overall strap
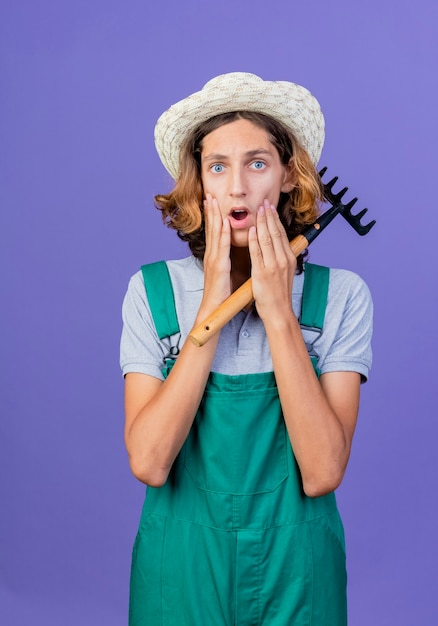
column 315, row 292
column 159, row 292
column 160, row 296
column 314, row 302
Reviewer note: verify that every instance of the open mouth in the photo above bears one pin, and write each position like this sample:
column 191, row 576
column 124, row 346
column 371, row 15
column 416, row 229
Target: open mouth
column 239, row 214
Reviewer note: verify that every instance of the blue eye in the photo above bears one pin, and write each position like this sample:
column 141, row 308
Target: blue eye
column 258, row 165
column 217, row 168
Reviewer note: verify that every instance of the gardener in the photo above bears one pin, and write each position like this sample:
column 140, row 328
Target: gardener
column 242, row 441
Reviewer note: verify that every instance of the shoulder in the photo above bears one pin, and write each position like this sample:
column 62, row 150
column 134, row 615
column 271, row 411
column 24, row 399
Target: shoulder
column 187, row 271
column 187, row 280
column 340, row 280
column 346, row 280
column 344, row 289
column 348, row 290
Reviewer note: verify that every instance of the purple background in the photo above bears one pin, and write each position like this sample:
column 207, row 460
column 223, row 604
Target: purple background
column 82, row 84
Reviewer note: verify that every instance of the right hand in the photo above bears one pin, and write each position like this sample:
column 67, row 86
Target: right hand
column 217, row 262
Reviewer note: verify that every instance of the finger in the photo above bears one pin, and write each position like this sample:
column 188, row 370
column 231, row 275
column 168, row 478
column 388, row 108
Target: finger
column 283, row 235
column 275, row 229
column 225, row 237
column 213, row 221
column 264, row 236
column 218, row 232
column 254, row 250
column 217, row 224
column 207, row 219
column 280, row 238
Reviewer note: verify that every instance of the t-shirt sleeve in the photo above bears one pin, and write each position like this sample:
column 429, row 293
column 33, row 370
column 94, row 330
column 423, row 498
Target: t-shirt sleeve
column 141, row 350
column 348, row 339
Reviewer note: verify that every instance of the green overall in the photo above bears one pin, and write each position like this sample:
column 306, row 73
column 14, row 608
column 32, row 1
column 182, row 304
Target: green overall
column 231, row 539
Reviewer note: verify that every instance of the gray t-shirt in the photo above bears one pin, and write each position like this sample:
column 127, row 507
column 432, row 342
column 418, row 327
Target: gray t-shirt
column 344, row 345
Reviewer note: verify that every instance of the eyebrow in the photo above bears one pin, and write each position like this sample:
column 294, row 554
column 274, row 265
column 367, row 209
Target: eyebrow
column 215, row 156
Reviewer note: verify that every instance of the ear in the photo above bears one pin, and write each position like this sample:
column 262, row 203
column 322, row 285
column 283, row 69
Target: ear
column 289, row 180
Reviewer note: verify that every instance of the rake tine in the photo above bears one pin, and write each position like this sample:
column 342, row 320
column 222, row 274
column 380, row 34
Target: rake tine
column 358, row 216
column 354, row 220
column 363, row 229
column 340, row 194
column 329, row 186
column 332, row 197
column 349, row 205
column 345, row 209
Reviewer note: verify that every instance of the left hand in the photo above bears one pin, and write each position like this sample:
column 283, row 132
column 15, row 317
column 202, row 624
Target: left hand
column 273, row 264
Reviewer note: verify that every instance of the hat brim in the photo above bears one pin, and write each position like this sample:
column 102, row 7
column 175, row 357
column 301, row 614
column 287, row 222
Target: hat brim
column 291, row 104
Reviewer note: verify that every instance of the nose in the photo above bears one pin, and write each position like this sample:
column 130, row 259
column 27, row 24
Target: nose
column 237, row 183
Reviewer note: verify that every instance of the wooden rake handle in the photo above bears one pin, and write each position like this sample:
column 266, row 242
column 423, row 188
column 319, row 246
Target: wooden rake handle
column 238, row 300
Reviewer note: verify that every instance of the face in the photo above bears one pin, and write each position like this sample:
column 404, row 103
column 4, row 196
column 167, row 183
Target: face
column 240, row 167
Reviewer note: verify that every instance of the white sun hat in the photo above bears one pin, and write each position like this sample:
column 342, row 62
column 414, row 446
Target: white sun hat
column 292, row 105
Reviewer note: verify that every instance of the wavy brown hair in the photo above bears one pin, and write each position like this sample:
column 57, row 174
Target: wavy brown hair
column 182, row 208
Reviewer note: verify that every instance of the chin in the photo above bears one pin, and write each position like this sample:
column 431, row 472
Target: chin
column 239, row 241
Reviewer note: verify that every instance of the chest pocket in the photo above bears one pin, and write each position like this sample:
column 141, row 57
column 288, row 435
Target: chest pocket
column 238, row 442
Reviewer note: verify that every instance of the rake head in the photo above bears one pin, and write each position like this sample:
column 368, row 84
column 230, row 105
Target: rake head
column 335, row 200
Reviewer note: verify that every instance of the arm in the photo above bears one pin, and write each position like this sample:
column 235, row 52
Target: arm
column 320, row 416
column 159, row 414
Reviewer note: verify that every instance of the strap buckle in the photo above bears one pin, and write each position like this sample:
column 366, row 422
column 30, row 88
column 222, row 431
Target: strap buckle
column 174, row 348
column 310, row 344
